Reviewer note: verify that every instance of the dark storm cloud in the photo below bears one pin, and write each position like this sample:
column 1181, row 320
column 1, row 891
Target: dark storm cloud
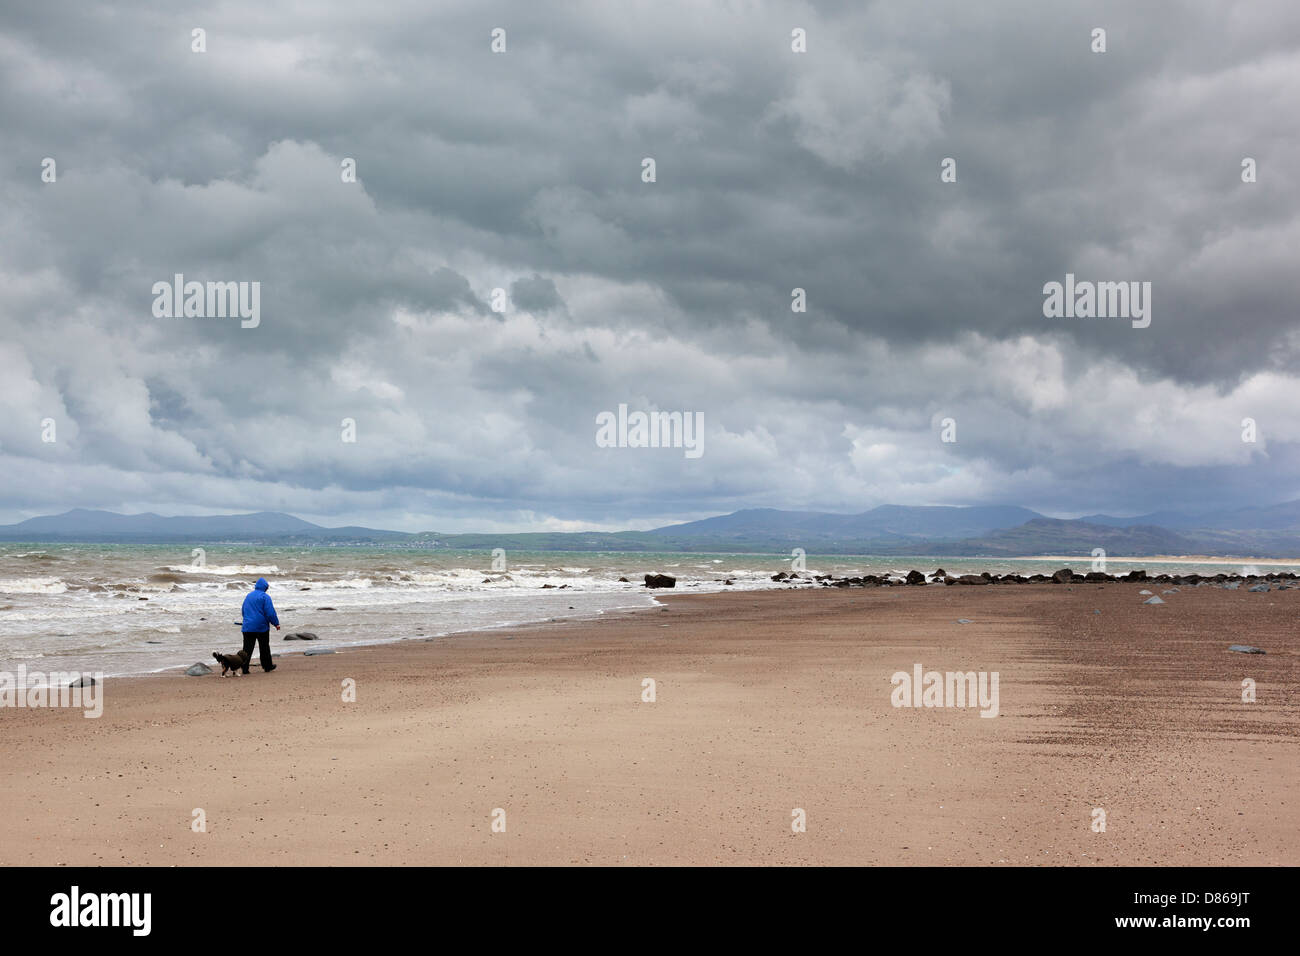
column 522, row 172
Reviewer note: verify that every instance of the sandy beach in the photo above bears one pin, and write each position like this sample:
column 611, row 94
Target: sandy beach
column 766, row 703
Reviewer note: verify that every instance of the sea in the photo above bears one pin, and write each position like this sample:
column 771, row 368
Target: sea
column 122, row 609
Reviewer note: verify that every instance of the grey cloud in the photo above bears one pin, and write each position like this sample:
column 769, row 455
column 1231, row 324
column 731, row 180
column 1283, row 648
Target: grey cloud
column 522, row 171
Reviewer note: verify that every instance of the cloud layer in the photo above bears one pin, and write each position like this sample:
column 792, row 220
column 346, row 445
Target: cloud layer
column 522, row 172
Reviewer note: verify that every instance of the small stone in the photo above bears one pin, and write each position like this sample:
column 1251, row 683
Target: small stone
column 197, row 670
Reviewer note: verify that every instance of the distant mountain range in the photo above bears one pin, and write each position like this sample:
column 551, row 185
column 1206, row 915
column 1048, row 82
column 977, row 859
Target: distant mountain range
column 994, row 531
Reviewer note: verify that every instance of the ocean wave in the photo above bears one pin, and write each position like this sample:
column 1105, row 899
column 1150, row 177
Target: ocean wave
column 167, row 577
column 32, row 586
column 224, row 569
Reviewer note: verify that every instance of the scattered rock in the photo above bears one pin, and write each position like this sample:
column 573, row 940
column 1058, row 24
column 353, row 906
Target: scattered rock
column 624, row 581
column 1259, row 587
column 197, row 670
column 312, row 652
column 1063, row 576
column 728, row 581
column 660, row 581
column 300, row 636
column 1153, row 600
column 1232, row 585
column 327, row 609
column 915, row 577
column 1244, row 649
column 83, row 682
column 780, row 576
column 548, row 585
column 1144, row 591
column 964, row 620
column 972, row 579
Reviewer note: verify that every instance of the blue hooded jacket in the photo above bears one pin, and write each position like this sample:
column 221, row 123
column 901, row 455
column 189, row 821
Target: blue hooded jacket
column 259, row 612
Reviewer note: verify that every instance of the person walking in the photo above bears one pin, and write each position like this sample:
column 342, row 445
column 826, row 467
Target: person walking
column 259, row 614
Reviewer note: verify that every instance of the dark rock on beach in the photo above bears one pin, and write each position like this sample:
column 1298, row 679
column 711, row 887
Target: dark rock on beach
column 83, row 682
column 660, row 581
column 300, row 636
column 972, row 579
column 915, row 577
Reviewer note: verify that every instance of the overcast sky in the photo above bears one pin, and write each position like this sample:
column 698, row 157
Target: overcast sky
column 522, row 171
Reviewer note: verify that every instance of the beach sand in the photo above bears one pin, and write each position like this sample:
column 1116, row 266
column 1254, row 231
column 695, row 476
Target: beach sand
column 766, row 702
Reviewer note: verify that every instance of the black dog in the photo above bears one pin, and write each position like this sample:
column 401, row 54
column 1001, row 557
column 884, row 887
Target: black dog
column 232, row 663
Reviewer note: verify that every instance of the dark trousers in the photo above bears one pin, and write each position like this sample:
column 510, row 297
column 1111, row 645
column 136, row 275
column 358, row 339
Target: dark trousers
column 263, row 639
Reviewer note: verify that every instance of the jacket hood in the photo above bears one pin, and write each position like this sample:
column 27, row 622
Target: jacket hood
column 261, row 584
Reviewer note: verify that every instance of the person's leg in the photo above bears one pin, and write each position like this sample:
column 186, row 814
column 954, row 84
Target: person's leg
column 264, row 639
column 250, row 638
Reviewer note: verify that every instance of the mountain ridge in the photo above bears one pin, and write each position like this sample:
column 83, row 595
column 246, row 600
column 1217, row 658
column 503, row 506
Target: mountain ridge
column 979, row 530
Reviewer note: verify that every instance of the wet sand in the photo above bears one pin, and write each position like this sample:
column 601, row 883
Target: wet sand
column 766, row 703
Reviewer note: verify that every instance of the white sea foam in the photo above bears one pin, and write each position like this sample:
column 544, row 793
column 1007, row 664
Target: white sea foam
column 32, row 586
column 224, row 569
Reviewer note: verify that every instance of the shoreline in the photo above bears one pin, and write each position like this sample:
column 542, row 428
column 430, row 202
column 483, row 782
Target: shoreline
column 781, row 581
column 1165, row 559
column 766, row 701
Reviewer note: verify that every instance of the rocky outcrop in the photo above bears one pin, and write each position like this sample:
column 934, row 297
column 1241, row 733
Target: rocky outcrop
column 660, row 581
